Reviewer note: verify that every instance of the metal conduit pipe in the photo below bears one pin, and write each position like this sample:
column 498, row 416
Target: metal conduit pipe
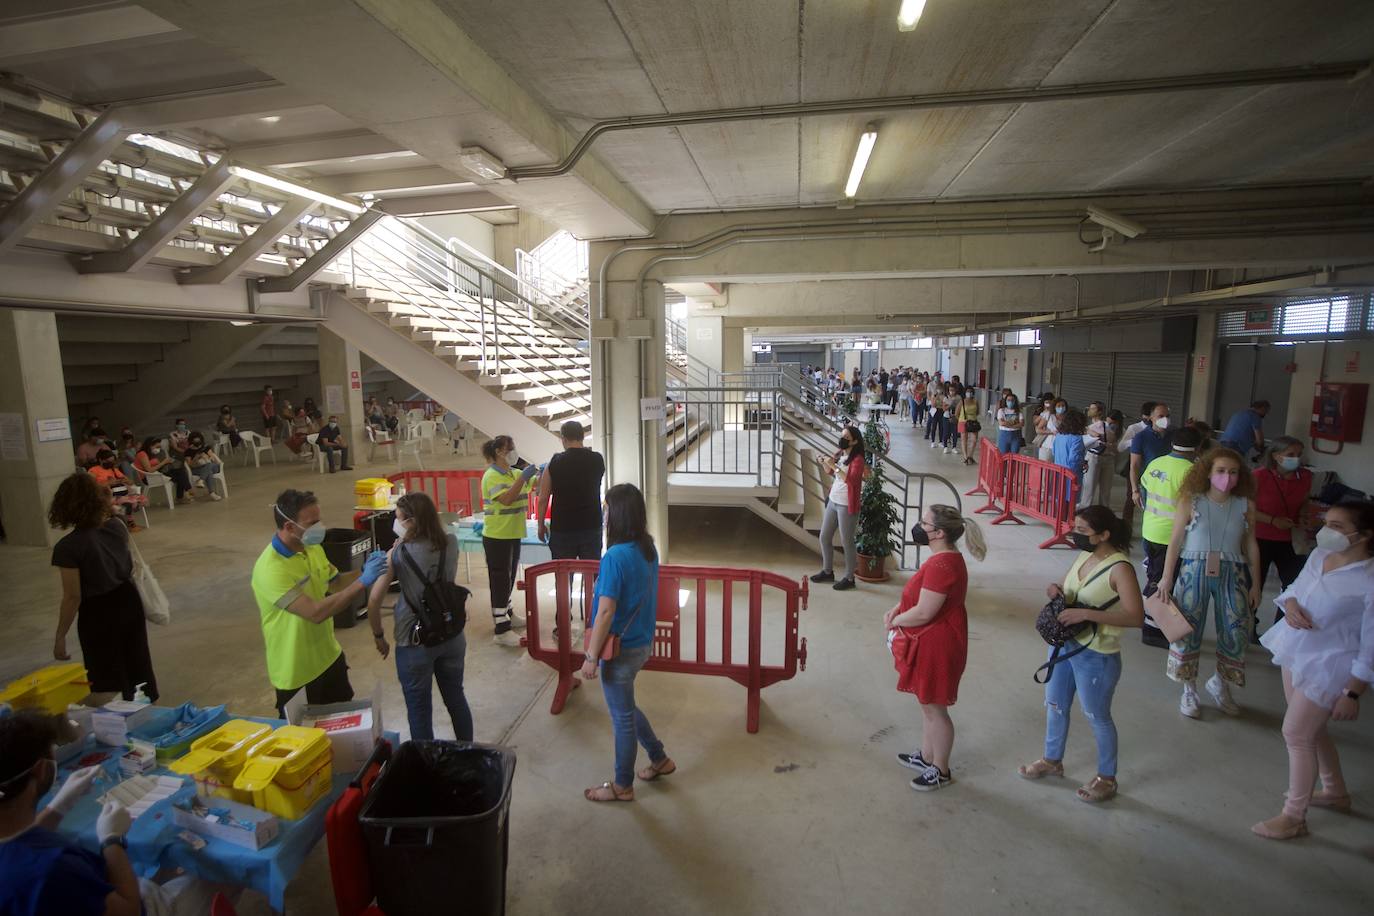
column 1345, row 70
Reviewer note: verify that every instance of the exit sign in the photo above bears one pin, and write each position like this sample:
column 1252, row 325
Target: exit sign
column 1259, row 319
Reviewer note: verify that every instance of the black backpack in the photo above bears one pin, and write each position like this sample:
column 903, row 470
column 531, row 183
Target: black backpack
column 441, row 613
column 1057, row 634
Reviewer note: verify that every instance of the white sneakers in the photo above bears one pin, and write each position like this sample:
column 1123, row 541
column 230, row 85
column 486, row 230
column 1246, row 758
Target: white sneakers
column 1188, row 703
column 1221, row 694
column 510, row 639
column 516, row 620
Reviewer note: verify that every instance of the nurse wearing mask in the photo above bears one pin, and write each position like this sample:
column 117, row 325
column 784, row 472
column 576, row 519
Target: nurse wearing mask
column 298, row 594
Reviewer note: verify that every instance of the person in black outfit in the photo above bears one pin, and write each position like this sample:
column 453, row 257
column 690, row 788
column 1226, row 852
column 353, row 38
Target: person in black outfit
column 331, row 440
column 573, row 482
column 98, row 592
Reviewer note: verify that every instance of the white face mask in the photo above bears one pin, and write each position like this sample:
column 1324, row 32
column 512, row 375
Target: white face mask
column 400, row 528
column 1162, row 423
column 1332, row 540
column 512, row 456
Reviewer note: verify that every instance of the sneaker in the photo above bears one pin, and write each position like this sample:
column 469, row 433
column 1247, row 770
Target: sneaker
column 517, row 621
column 1188, row 704
column 823, row 576
column 216, row 497
column 1221, row 695
column 346, row 468
column 844, row 584
column 933, row 443
column 508, row 638
column 913, row 761
column 931, row 779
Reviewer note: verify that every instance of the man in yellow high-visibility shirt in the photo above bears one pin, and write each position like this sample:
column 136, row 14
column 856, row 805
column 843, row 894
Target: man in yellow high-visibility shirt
column 291, row 581
column 1159, row 486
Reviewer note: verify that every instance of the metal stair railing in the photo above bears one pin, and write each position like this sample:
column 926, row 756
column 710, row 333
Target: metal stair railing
column 540, row 281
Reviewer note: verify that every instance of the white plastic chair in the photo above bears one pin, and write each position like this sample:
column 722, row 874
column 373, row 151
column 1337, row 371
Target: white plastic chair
column 409, row 446
column 425, row 433
column 255, row 444
column 221, row 480
column 155, row 479
column 312, row 440
column 374, row 441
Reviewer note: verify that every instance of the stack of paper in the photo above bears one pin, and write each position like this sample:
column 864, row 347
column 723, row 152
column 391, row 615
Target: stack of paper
column 113, row 721
column 139, row 793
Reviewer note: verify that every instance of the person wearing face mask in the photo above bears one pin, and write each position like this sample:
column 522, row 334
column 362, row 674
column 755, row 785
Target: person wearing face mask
column 1149, row 444
column 203, row 463
column 1008, row 425
column 268, row 409
column 86, row 452
column 178, row 437
column 1325, row 647
column 1043, row 443
column 927, row 634
column 331, row 440
column 1213, row 548
column 1282, row 486
column 127, row 499
column 506, row 486
column 1160, row 485
column 292, row 579
column 1100, row 589
column 969, row 425
column 228, row 426
column 847, row 469
column 98, row 592
column 1123, row 457
column 421, row 543
column 151, row 460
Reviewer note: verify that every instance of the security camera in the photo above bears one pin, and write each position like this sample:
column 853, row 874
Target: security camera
column 1115, row 222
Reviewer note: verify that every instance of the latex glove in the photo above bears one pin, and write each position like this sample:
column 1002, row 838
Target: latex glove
column 114, row 821
column 373, row 569
column 529, row 471
column 77, row 785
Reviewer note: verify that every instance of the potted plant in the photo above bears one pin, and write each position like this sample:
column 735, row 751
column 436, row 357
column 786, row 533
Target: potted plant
column 877, row 511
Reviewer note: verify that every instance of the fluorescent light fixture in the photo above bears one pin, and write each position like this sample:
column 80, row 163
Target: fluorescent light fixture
column 272, row 181
column 856, row 171
column 481, row 163
column 270, row 119
column 240, row 324
column 909, row 14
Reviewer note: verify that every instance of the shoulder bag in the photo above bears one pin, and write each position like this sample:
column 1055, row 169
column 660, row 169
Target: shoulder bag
column 441, row 613
column 1057, row 634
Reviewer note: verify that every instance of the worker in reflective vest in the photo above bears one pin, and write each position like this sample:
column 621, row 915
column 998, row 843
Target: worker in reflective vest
column 1160, row 483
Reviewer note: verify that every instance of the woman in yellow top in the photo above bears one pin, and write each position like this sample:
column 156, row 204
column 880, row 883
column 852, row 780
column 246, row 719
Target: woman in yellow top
column 505, row 506
column 1100, row 576
column 969, row 426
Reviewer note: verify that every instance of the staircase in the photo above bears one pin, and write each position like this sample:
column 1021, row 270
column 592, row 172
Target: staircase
column 447, row 306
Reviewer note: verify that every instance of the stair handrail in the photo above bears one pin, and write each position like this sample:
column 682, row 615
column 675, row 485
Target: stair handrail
column 544, row 272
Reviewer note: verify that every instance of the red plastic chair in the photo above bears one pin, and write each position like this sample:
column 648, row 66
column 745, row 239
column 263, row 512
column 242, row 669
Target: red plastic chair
column 348, row 864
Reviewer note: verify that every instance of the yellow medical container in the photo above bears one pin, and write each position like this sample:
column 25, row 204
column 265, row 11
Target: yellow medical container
column 288, row 772
column 51, row 689
column 372, row 492
column 215, row 760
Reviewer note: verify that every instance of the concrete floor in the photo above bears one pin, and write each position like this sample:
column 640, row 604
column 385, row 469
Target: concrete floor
column 811, row 814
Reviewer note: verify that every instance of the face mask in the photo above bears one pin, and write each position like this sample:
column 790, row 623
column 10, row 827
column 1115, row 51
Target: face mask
column 1223, row 482
column 512, row 456
column 1162, row 423
column 844, row 444
column 921, row 536
column 333, row 424
column 1082, row 541
column 1060, row 409
column 313, row 535
column 107, row 464
column 182, row 427
column 1331, row 539
column 1290, row 463
column 156, row 452
column 1010, row 402
column 400, row 528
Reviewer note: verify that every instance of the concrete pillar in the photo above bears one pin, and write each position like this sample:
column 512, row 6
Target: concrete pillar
column 626, row 368
column 747, row 348
column 31, row 389
column 1202, row 387
column 706, row 341
column 734, row 347
column 340, row 369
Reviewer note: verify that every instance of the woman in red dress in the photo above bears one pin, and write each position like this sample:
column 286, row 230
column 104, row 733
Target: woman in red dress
column 928, row 635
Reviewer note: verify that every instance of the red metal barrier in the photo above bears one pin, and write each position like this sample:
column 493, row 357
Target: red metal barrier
column 452, row 491
column 429, row 407
column 1042, row 490
column 991, row 475
column 750, row 672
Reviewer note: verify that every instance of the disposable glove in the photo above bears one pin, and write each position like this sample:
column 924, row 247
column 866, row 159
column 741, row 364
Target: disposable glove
column 114, row 821
column 373, row 569
column 77, row 785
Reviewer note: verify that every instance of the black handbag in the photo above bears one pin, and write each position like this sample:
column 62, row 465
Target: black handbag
column 441, row 613
column 1058, row 635
column 973, row 426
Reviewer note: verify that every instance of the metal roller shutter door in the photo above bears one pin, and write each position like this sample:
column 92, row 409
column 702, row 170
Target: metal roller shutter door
column 1140, row 377
column 1085, row 377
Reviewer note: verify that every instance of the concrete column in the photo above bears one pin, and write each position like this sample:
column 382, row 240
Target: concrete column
column 31, row 386
column 626, row 368
column 706, row 341
column 734, row 349
column 747, row 348
column 1202, row 386
column 340, row 365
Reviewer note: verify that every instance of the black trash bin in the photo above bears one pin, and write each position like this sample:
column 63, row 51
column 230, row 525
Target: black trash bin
column 436, row 825
column 347, row 550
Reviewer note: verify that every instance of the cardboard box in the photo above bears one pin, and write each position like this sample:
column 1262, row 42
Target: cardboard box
column 113, row 721
column 242, row 825
column 353, row 728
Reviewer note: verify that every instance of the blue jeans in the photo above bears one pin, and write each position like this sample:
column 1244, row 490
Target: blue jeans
column 418, row 667
column 1093, row 675
column 1006, row 441
column 628, row 722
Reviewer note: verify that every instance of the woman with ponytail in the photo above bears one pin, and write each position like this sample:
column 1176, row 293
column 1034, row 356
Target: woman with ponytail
column 928, row 634
column 1101, row 589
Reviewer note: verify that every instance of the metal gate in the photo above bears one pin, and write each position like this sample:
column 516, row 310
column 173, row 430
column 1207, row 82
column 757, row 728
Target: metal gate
column 1085, row 377
column 1254, row 372
column 1125, row 380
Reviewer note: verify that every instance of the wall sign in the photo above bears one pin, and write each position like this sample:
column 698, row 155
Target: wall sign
column 12, row 444
column 652, row 409
column 355, row 380
column 53, row 430
column 1259, row 319
column 1352, row 365
column 1202, row 365
column 334, row 398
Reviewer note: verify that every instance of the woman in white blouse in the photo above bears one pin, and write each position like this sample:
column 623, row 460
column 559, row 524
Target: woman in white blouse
column 1325, row 645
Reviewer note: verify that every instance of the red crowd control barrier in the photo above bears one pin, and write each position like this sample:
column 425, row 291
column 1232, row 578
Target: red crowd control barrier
column 429, row 407
column 1042, row 490
column 749, row 671
column 452, row 491
column 991, row 475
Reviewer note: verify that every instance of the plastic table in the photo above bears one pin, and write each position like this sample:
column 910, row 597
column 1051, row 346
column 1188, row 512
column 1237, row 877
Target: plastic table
column 532, row 550
column 154, row 844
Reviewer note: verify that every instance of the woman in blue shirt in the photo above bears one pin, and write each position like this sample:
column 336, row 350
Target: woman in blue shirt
column 625, row 606
column 1069, row 450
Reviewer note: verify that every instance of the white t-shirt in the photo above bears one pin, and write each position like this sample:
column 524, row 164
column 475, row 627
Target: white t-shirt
column 839, row 490
column 1124, row 445
column 1008, row 417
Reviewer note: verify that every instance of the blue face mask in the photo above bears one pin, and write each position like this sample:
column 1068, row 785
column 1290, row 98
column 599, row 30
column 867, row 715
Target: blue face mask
column 1060, row 409
column 1290, row 463
column 314, row 535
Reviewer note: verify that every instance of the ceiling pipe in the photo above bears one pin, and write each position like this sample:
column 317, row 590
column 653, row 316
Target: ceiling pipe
column 1343, row 71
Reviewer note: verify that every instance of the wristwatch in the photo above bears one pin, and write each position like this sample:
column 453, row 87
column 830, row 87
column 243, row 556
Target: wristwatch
column 119, row 841
column 1352, row 694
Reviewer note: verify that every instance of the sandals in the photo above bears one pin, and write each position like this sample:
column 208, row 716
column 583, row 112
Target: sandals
column 608, row 792
column 1281, row 827
column 1334, row 802
column 664, row 767
column 1098, row 789
column 1040, row 768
